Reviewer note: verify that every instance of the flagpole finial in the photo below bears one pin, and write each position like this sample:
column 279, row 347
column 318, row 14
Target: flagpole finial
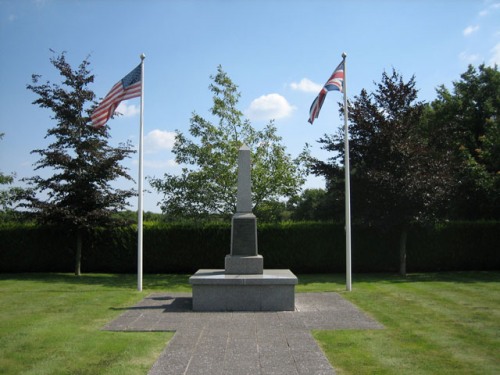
column 344, row 55
column 143, row 56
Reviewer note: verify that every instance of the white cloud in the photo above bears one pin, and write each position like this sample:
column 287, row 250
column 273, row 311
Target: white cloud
column 41, row 3
column 160, row 164
column 267, row 107
column 157, row 164
column 470, row 30
column 469, row 58
column 495, row 57
column 127, row 110
column 306, row 85
column 158, row 140
column 489, row 9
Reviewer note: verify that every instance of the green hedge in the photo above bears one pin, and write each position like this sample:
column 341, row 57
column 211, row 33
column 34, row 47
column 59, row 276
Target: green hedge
column 455, row 246
column 308, row 247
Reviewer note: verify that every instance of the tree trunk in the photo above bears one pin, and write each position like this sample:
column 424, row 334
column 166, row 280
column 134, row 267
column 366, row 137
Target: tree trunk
column 402, row 251
column 78, row 256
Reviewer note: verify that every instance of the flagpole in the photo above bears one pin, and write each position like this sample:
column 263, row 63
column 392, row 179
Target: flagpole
column 347, row 187
column 140, row 188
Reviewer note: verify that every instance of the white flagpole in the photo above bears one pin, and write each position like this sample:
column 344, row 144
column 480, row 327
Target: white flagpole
column 140, row 188
column 347, row 187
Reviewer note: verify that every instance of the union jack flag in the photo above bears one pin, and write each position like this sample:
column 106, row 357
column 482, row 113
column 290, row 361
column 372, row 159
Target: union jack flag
column 335, row 82
column 127, row 88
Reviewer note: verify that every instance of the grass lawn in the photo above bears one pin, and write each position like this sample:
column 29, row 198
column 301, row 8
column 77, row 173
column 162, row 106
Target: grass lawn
column 435, row 323
column 50, row 324
column 445, row 323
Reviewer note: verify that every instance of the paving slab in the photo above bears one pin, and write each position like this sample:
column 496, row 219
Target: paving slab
column 240, row 343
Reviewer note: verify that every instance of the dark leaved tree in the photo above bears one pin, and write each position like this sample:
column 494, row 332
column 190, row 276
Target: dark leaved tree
column 397, row 177
column 466, row 121
column 77, row 195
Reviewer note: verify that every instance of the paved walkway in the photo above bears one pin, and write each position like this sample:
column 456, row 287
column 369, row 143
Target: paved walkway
column 240, row 343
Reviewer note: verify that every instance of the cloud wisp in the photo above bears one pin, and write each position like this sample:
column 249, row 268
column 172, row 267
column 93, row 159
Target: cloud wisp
column 469, row 30
column 495, row 55
column 469, row 58
column 489, row 9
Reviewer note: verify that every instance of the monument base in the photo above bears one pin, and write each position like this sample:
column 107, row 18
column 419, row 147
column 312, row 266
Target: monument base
column 244, row 265
column 214, row 290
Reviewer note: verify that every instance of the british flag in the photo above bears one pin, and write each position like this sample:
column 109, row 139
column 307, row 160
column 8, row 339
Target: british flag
column 335, row 82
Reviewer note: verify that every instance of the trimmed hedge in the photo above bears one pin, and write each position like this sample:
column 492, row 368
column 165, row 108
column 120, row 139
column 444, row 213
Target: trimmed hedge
column 455, row 246
column 308, row 247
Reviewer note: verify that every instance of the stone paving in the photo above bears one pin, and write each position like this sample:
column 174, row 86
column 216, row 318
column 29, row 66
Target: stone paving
column 240, row 343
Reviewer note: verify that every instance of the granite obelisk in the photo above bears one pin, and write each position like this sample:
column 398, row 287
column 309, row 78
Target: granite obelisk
column 244, row 258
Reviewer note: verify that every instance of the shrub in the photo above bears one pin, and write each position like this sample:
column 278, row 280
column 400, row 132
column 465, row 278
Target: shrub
column 303, row 247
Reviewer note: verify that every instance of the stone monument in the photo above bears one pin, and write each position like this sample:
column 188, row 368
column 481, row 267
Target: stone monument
column 244, row 258
column 244, row 284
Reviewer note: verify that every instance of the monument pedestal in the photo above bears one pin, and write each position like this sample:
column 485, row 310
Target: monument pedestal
column 244, row 265
column 244, row 258
column 215, row 290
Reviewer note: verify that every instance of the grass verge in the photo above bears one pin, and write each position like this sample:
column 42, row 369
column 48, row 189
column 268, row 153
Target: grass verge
column 446, row 323
column 51, row 324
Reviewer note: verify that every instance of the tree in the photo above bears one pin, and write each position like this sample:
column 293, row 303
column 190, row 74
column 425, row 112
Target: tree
column 78, row 195
column 207, row 185
column 9, row 197
column 467, row 121
column 5, row 195
column 312, row 204
column 5, row 199
column 397, row 177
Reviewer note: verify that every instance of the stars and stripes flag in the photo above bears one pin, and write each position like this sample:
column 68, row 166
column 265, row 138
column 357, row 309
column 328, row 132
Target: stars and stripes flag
column 335, row 82
column 127, row 88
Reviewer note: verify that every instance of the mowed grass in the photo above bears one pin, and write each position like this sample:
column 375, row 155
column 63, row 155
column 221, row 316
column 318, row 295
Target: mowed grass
column 51, row 324
column 445, row 323
column 434, row 323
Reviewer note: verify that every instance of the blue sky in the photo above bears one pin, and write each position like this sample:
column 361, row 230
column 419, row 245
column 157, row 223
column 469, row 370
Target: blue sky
column 279, row 53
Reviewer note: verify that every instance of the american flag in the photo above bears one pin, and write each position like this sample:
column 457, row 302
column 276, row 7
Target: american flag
column 335, row 82
column 127, row 88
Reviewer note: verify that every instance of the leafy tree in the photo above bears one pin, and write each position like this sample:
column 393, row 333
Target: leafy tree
column 4, row 180
column 467, row 121
column 78, row 194
column 312, row 204
column 397, row 177
column 272, row 211
column 131, row 216
column 9, row 196
column 207, row 185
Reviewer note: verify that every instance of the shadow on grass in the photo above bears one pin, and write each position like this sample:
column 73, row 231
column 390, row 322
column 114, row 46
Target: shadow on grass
column 180, row 282
column 456, row 277
column 126, row 281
